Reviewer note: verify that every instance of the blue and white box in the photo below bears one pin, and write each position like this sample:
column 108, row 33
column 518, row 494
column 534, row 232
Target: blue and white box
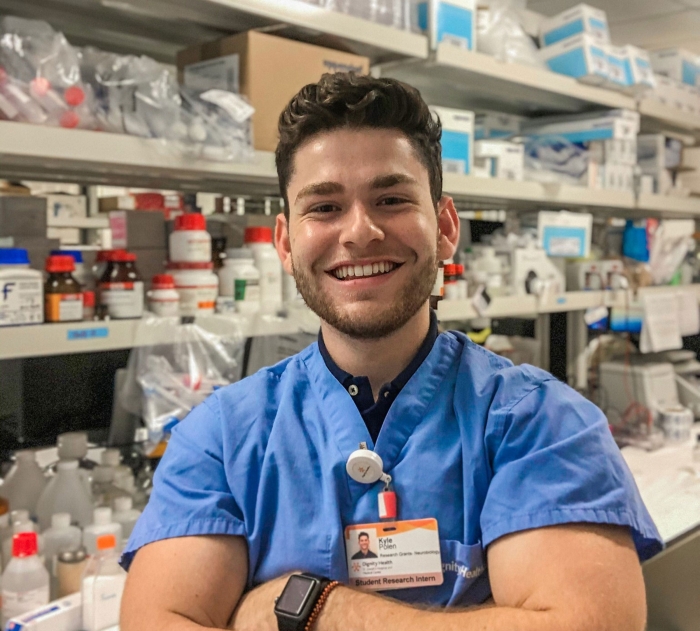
column 579, row 128
column 640, row 75
column 457, row 139
column 617, row 67
column 676, row 63
column 446, row 21
column 492, row 125
column 580, row 19
column 565, row 234
column 581, row 57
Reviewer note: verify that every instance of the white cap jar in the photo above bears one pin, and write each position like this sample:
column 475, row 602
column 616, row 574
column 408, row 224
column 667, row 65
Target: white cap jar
column 163, row 299
column 197, row 286
column 240, row 279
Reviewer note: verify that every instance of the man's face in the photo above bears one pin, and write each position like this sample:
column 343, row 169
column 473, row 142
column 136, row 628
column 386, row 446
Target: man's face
column 362, row 239
column 364, row 543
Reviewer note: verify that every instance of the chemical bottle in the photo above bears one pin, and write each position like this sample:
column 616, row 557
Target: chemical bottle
column 259, row 239
column 18, row 527
column 60, row 537
column 103, row 488
column 63, row 295
column 189, row 241
column 24, row 483
column 127, row 484
column 5, row 535
column 126, row 515
column 240, row 280
column 103, row 585
column 163, row 299
column 65, row 493
column 103, row 524
column 113, row 458
column 74, row 446
column 25, row 581
column 70, row 567
column 22, row 289
column 81, row 273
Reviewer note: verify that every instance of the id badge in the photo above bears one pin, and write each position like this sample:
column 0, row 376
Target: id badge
column 394, row 555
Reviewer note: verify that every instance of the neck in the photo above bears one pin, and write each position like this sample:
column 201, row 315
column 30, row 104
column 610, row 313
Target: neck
column 380, row 360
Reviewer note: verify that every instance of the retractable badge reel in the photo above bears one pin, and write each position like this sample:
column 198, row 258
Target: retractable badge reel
column 366, row 467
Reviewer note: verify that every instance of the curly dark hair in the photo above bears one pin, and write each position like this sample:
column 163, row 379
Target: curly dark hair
column 356, row 101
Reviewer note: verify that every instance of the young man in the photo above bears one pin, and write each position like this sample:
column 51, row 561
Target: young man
column 534, row 505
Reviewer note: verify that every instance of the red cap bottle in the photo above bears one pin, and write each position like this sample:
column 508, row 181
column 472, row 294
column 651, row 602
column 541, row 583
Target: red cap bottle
column 57, row 263
column 258, row 234
column 24, row 544
column 190, row 221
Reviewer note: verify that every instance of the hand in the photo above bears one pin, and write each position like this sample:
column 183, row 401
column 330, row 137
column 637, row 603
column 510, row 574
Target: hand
column 255, row 610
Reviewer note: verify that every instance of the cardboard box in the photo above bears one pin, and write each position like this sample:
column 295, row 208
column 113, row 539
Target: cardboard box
column 67, row 236
column 457, row 139
column 640, row 76
column 613, row 124
column 22, row 216
column 506, row 159
column 676, row 63
column 65, row 614
column 272, row 70
column 65, row 207
column 490, row 125
column 613, row 152
column 149, row 262
column 565, row 234
column 446, row 21
column 133, row 229
column 581, row 57
column 617, row 67
column 580, row 19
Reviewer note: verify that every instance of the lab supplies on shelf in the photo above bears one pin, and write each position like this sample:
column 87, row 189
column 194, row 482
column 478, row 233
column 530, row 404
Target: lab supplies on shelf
column 579, row 19
column 677, row 64
column 21, row 288
column 449, row 21
column 457, row 139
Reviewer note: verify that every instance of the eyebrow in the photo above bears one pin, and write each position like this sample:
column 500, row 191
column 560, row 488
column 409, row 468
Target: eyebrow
column 320, row 188
column 392, row 179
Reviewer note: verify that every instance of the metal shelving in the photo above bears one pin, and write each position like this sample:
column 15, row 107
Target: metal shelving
column 90, row 337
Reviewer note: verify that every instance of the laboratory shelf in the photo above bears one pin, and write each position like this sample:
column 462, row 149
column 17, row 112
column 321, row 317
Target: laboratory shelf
column 90, row 337
column 667, row 117
column 528, row 306
column 89, row 157
column 512, row 193
column 87, row 223
column 162, row 27
column 668, row 205
column 456, row 77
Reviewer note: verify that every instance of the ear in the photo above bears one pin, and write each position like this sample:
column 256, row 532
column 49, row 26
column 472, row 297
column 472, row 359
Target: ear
column 282, row 243
column 448, row 225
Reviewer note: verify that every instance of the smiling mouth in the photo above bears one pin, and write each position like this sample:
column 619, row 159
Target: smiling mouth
column 350, row 272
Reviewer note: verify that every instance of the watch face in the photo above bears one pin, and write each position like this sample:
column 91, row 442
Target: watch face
column 295, row 594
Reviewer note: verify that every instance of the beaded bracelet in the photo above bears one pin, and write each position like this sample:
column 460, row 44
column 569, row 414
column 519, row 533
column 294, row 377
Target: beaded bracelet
column 319, row 604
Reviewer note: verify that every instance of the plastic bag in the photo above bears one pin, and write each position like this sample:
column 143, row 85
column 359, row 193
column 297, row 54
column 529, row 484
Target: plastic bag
column 499, row 34
column 166, row 381
column 40, row 76
column 394, row 13
column 554, row 159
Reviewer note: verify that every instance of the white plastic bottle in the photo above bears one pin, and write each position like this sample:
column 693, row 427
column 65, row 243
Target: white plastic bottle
column 65, row 493
column 240, row 279
column 74, row 446
column 25, row 581
column 102, row 586
column 126, row 515
column 104, row 491
column 259, row 240
column 163, row 299
column 22, row 289
column 17, row 528
column 113, row 458
column 24, row 483
column 189, row 241
column 61, row 536
column 197, row 286
column 103, row 524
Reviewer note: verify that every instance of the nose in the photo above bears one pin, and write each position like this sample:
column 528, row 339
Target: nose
column 358, row 227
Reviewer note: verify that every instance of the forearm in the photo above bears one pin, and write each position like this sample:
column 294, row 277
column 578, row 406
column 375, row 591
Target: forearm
column 164, row 621
column 350, row 610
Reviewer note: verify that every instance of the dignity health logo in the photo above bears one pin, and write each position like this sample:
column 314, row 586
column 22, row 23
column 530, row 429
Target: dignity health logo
column 463, row 570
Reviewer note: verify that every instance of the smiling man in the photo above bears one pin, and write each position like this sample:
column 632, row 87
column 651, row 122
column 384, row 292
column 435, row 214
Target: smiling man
column 484, row 483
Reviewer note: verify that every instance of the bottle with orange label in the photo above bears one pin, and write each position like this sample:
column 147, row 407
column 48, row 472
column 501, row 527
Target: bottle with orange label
column 63, row 297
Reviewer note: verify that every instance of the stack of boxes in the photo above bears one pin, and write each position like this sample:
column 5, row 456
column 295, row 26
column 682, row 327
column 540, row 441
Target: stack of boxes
column 658, row 157
column 577, row 43
column 446, row 22
column 457, row 139
column 23, row 224
column 678, row 77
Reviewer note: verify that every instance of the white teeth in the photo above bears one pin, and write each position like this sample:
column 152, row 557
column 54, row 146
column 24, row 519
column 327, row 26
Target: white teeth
column 375, row 268
column 367, row 270
column 359, row 271
column 351, row 271
column 381, row 267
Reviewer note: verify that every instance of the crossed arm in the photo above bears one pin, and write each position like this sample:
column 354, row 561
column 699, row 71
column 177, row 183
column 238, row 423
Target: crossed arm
column 564, row 578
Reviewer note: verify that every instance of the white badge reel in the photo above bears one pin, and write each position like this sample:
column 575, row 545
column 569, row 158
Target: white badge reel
column 366, row 467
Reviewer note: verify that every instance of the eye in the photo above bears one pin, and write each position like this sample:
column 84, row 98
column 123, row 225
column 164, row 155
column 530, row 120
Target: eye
column 392, row 201
column 324, row 208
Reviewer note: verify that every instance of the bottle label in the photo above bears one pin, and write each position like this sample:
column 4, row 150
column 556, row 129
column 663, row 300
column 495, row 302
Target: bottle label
column 123, row 300
column 246, row 290
column 18, row 603
column 21, row 301
column 64, row 307
column 197, row 299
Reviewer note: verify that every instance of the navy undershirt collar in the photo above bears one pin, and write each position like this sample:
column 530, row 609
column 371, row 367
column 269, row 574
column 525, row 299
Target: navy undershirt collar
column 374, row 413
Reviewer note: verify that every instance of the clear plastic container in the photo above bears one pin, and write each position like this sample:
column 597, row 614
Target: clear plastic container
column 189, row 241
column 74, row 446
column 240, row 279
column 104, row 491
column 65, row 493
column 22, row 289
column 24, row 483
column 126, row 515
column 259, row 240
column 103, row 524
column 102, row 586
column 59, row 538
column 25, row 581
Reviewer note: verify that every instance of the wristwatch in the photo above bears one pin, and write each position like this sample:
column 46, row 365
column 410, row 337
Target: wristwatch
column 298, row 599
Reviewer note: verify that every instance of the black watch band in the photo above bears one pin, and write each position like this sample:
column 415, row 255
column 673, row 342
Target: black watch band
column 295, row 604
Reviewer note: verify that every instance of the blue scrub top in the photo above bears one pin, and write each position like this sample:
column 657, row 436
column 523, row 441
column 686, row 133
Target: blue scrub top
column 484, row 447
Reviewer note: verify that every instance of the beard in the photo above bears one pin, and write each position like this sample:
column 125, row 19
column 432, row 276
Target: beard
column 412, row 296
